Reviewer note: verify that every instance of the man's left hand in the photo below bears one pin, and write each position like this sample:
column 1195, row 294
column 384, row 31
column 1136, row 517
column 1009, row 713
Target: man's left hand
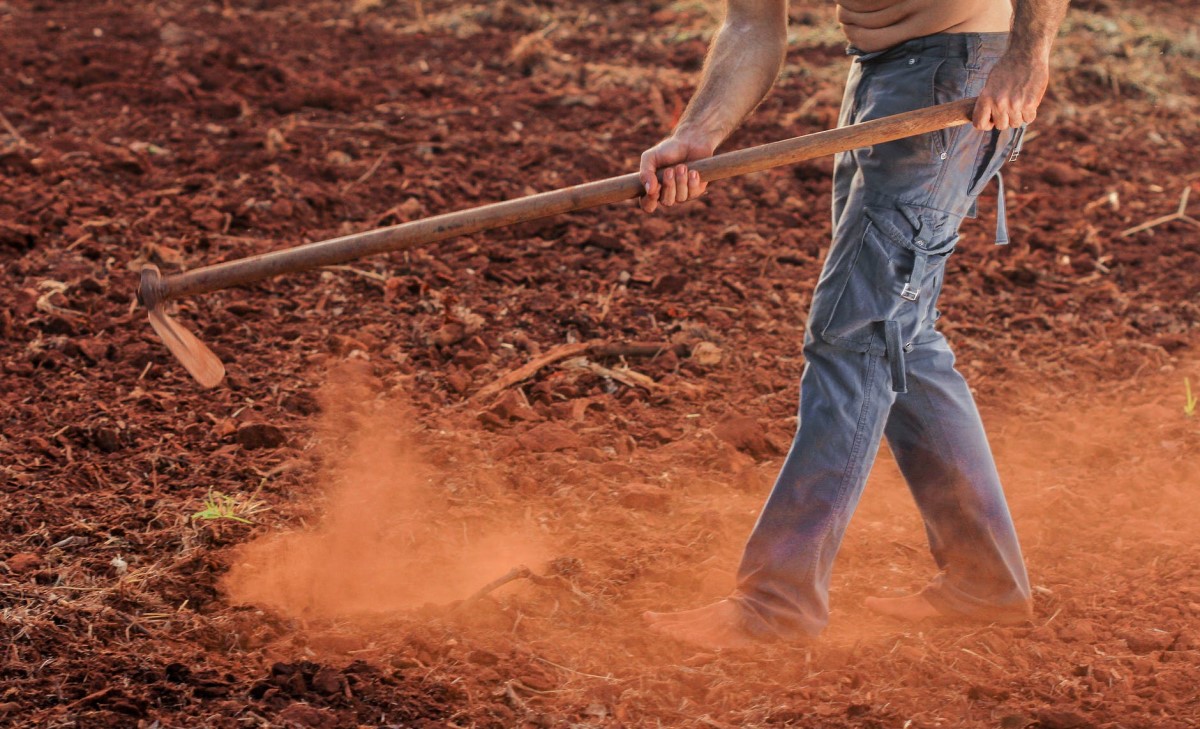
column 1011, row 96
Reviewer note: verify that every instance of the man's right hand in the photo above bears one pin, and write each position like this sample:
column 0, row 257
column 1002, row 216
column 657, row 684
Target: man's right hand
column 679, row 184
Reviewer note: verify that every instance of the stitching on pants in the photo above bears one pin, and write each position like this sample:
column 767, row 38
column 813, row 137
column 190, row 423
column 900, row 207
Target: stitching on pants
column 951, row 148
column 855, row 449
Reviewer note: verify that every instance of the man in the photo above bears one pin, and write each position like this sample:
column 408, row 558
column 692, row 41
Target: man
column 875, row 364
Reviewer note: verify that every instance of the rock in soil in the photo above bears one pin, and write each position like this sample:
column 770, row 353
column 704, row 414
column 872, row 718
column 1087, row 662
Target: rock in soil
column 24, row 562
column 260, row 435
column 746, row 434
column 549, row 437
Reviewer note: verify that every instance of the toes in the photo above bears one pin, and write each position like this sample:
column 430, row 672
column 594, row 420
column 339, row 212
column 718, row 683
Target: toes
column 705, row 635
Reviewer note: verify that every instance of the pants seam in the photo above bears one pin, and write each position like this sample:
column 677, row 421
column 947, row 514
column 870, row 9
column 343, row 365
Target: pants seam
column 855, row 450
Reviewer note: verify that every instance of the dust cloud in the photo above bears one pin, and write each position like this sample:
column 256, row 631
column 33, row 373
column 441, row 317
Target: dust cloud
column 389, row 536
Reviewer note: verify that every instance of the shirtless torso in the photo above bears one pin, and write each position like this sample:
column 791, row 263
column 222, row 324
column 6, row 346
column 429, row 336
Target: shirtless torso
column 872, row 25
column 751, row 46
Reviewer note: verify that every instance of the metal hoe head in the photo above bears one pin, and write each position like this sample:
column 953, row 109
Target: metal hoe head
column 193, row 354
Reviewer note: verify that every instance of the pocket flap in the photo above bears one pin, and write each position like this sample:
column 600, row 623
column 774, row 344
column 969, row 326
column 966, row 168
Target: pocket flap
column 916, row 228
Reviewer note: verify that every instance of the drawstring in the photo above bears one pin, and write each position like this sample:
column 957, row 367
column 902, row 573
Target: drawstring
column 1001, row 217
column 895, row 355
column 891, row 329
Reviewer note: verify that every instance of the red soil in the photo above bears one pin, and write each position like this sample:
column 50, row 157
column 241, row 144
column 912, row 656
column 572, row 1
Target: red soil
column 186, row 134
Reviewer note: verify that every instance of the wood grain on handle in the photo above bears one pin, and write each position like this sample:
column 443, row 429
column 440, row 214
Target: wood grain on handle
column 579, row 197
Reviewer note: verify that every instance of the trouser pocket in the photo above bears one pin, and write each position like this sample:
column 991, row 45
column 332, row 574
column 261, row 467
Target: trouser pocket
column 991, row 155
column 999, row 147
column 879, row 292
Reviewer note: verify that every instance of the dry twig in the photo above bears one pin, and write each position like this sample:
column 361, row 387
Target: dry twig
column 577, row 673
column 516, row 573
column 366, row 175
column 1180, row 214
column 43, row 303
column 576, row 349
column 94, row 696
column 531, row 368
column 623, row 375
column 521, row 572
column 8, row 127
column 377, row 277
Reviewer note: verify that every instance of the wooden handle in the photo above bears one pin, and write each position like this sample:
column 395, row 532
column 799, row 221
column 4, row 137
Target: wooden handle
column 546, row 204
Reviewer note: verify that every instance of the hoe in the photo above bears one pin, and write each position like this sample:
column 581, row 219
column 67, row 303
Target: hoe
column 156, row 290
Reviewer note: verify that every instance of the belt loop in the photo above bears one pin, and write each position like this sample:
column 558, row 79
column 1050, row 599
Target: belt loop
column 912, row 289
column 1001, row 216
column 895, row 355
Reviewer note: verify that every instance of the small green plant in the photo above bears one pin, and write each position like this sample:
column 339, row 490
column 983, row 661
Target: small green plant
column 1189, row 407
column 219, row 505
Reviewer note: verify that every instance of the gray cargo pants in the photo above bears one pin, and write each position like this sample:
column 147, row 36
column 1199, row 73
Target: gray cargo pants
column 876, row 366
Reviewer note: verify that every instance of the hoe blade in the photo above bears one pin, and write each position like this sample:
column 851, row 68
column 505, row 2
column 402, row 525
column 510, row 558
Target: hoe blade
column 195, row 356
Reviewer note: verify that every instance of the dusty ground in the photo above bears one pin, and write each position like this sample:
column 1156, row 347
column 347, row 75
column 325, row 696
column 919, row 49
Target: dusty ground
column 295, row 547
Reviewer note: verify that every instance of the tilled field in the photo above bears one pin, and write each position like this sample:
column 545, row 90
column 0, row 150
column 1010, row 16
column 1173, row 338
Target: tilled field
column 335, row 536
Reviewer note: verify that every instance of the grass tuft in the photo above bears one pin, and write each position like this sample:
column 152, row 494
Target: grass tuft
column 218, row 505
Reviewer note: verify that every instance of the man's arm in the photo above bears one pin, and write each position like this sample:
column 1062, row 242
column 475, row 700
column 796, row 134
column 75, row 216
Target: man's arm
column 1016, row 85
column 743, row 61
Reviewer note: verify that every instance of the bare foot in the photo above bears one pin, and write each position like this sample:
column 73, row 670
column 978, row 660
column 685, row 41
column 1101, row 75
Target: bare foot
column 713, row 626
column 915, row 608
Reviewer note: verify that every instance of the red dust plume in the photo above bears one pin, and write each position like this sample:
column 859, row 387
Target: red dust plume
column 388, row 537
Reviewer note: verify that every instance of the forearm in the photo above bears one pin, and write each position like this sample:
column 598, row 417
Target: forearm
column 743, row 61
column 1015, row 87
column 742, row 65
column 1035, row 26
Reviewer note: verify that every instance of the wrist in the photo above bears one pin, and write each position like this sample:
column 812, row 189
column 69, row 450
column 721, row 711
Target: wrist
column 1032, row 53
column 696, row 137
